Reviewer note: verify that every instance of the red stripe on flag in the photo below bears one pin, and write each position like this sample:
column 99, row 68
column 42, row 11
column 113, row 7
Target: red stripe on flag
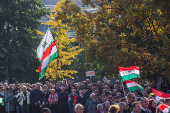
column 129, row 81
column 128, row 68
column 160, row 94
column 46, row 53
column 162, row 107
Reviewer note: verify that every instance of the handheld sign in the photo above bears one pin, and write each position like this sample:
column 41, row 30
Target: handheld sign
column 90, row 73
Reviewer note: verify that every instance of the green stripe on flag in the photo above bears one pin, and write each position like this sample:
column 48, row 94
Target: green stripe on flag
column 129, row 76
column 52, row 57
column 2, row 101
column 135, row 88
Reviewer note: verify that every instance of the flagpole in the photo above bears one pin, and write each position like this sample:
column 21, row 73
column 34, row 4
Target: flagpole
column 123, row 88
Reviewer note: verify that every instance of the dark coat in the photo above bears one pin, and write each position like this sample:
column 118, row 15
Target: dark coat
column 63, row 99
column 148, row 111
column 36, row 95
column 81, row 100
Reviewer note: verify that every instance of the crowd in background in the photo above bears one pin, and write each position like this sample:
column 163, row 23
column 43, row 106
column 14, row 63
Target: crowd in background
column 70, row 97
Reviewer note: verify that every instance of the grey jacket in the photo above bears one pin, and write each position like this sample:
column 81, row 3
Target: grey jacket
column 92, row 108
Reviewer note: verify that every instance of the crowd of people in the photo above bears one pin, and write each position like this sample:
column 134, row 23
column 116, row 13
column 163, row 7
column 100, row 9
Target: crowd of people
column 82, row 97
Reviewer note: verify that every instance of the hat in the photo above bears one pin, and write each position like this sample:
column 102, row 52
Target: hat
column 152, row 94
column 94, row 96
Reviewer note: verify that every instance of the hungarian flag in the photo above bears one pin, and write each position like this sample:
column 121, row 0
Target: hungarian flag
column 74, row 103
column 46, row 52
column 128, row 73
column 24, row 97
column 164, row 108
column 133, row 86
column 160, row 95
column 2, row 101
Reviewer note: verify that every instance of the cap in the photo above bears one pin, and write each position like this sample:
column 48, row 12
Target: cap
column 152, row 94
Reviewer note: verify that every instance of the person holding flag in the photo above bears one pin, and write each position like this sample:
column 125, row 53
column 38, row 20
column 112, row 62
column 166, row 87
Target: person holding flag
column 25, row 100
column 53, row 101
column 36, row 98
column 72, row 100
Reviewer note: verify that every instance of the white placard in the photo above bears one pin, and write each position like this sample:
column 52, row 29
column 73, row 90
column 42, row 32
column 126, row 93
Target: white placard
column 90, row 73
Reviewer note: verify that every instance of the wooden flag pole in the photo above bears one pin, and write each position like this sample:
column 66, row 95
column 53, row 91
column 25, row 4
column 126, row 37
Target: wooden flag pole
column 123, row 88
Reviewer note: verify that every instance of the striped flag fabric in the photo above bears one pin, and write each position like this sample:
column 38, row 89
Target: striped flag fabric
column 164, row 108
column 74, row 103
column 160, row 95
column 2, row 101
column 128, row 73
column 46, row 52
column 24, row 97
column 133, row 86
column 69, row 100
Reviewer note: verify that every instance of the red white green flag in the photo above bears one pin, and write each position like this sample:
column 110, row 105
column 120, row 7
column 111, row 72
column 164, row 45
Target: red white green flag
column 164, row 108
column 133, row 86
column 128, row 73
column 160, row 95
column 46, row 52
column 24, row 97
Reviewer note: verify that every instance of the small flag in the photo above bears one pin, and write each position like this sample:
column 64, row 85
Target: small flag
column 133, row 86
column 74, row 103
column 43, row 103
column 24, row 97
column 2, row 101
column 69, row 100
column 128, row 73
column 160, row 95
column 40, row 104
column 46, row 52
column 164, row 108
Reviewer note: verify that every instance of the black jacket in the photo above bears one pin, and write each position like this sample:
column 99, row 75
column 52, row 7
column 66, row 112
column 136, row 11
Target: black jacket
column 148, row 111
column 63, row 99
column 36, row 95
column 81, row 100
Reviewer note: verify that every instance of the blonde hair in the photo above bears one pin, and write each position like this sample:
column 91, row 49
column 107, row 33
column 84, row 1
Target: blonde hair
column 114, row 108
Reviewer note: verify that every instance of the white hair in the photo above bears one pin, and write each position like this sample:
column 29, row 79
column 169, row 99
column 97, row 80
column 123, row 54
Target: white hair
column 77, row 106
column 108, row 81
column 99, row 106
column 91, row 94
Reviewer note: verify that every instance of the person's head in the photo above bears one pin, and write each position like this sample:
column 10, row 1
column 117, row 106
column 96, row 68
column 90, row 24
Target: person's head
column 144, row 102
column 52, row 91
column 64, row 81
column 78, row 86
column 145, row 94
column 124, row 100
column 79, row 108
column 152, row 96
column 8, row 90
column 24, row 88
column 103, row 98
column 167, row 101
column 95, row 98
column 117, row 99
column 91, row 95
column 109, row 97
column 107, row 104
column 74, row 92
column 109, row 82
column 72, row 83
column 81, row 92
column 45, row 110
column 122, row 106
column 17, row 85
column 57, row 85
column 131, row 97
column 45, row 91
column 152, row 105
column 136, row 107
column 38, row 86
column 62, row 89
column 113, row 108
column 100, row 107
